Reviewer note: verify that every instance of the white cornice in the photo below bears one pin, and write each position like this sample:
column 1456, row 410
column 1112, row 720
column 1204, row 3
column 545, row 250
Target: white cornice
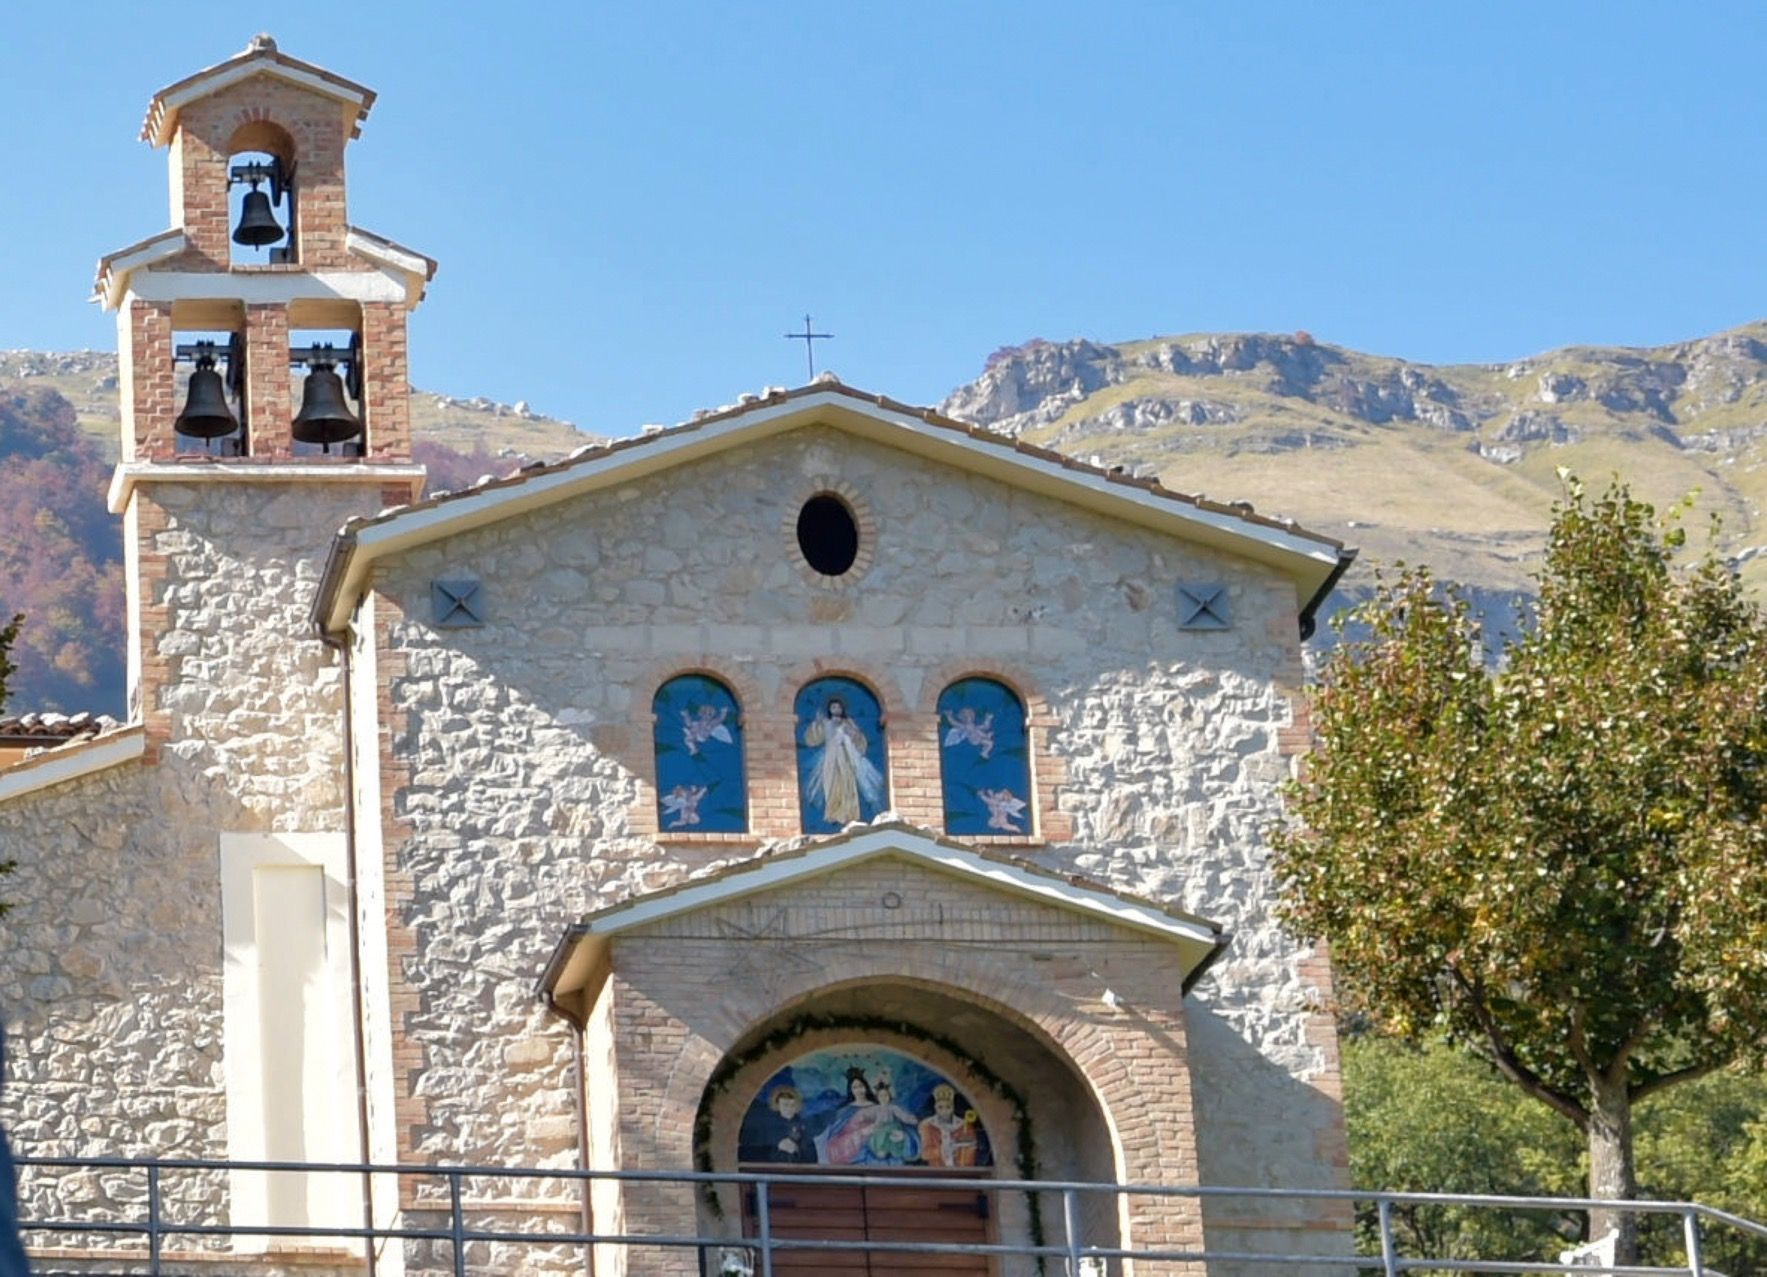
column 131, row 473
column 278, row 287
column 771, row 872
column 582, row 951
column 115, row 271
column 1307, row 559
column 70, row 762
column 386, row 253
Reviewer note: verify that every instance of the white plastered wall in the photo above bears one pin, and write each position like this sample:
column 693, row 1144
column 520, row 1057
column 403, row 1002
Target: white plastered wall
column 287, row 1035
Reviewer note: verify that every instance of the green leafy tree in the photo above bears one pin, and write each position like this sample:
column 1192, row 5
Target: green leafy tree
column 1432, row 1118
column 1563, row 865
column 1426, row 1119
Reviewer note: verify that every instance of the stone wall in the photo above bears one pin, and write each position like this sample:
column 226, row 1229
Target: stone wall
column 519, row 753
column 111, row 963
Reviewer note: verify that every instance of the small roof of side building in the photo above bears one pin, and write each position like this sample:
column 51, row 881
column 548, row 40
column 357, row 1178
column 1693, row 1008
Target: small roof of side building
column 261, row 56
column 1313, row 561
column 580, row 953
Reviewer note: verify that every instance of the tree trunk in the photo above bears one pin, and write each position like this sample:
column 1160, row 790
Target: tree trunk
column 1610, row 1166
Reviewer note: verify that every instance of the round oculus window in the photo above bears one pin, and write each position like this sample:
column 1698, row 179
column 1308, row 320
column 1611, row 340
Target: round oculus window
column 828, row 534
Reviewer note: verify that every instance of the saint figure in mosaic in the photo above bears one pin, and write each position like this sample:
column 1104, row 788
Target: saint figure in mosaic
column 862, row 1105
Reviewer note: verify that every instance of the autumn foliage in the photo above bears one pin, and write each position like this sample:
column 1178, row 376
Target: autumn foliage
column 60, row 557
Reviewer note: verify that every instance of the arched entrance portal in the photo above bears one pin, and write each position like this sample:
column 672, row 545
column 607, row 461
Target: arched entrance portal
column 910, row 1082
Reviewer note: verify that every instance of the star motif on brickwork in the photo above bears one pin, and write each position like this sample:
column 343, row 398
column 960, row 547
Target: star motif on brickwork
column 782, row 951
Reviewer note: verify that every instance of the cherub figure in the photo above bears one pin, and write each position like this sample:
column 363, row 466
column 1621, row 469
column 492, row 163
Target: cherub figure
column 1004, row 807
column 682, row 804
column 709, row 725
column 966, row 728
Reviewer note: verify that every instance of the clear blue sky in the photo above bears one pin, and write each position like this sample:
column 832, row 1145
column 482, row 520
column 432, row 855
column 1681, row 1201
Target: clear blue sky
column 631, row 204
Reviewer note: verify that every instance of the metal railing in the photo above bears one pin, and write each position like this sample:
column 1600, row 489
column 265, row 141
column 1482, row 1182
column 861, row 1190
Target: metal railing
column 1072, row 1254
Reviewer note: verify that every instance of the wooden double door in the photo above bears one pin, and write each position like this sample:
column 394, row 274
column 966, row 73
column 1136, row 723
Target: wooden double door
column 900, row 1212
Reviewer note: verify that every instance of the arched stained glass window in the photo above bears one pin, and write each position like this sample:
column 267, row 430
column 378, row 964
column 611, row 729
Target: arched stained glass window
column 700, row 787
column 984, row 759
column 842, row 763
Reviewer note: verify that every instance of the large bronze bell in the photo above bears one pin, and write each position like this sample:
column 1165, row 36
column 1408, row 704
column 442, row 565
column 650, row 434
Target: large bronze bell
column 325, row 417
column 257, row 224
column 206, row 414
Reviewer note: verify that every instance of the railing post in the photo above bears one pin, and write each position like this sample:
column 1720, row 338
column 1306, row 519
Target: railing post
column 1690, row 1229
column 764, row 1226
column 456, row 1224
column 1070, row 1226
column 152, row 1219
column 1389, row 1253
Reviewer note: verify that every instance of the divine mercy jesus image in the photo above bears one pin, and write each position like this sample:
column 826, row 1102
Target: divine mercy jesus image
column 842, row 779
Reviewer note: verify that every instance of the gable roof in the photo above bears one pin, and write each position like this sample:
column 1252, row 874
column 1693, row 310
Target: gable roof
column 71, row 759
column 261, row 56
column 580, row 952
column 1313, row 561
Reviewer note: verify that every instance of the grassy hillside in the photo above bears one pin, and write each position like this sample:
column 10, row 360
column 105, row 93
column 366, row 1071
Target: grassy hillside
column 1455, row 465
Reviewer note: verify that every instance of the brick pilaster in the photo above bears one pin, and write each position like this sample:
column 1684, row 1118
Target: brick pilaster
column 269, row 384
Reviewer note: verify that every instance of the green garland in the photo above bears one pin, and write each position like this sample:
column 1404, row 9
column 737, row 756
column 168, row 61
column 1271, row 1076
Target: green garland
column 791, row 1030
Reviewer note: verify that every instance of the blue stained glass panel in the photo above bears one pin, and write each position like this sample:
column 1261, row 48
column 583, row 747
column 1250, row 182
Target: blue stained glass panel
column 842, row 762
column 699, row 776
column 984, row 759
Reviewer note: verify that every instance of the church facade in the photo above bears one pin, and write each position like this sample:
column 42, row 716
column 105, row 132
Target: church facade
column 821, row 785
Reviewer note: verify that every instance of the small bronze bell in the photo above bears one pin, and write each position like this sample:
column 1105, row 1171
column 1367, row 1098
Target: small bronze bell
column 325, row 417
column 257, row 224
column 206, row 414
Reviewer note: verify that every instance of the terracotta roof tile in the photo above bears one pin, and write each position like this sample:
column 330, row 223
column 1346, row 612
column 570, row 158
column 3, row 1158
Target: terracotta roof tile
column 1234, row 509
column 48, row 729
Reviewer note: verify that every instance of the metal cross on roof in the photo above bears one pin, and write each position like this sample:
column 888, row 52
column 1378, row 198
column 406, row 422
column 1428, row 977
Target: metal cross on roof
column 809, row 338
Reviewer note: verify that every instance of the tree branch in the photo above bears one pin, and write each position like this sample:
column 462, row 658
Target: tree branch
column 1510, row 1065
column 1580, row 1044
column 1687, row 1074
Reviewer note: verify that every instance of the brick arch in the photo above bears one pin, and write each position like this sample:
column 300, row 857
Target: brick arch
column 741, row 685
column 723, row 1112
column 1030, row 1005
column 1015, row 677
column 1131, row 1058
column 878, row 683
column 256, row 131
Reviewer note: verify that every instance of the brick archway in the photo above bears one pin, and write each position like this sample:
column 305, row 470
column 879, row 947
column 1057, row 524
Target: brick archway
column 1113, row 1015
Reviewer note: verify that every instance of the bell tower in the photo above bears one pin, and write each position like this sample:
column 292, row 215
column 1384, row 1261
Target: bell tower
column 262, row 327
column 265, row 395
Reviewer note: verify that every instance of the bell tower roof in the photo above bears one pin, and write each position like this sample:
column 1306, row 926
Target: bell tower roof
column 260, row 57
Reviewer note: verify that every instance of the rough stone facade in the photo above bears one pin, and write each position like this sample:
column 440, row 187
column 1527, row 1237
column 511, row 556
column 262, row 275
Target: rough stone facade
column 307, row 863
column 521, row 752
column 112, row 970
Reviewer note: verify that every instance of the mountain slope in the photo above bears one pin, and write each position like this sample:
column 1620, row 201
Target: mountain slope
column 1455, row 465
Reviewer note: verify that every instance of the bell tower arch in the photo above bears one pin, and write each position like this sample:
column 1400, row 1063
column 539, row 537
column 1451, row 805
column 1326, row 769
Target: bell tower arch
column 264, row 384
column 262, row 279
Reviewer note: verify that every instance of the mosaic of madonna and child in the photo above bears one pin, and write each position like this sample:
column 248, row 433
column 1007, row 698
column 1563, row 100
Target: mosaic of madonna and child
column 862, row 1106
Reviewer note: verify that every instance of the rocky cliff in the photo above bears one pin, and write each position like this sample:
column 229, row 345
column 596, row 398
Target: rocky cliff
column 1455, row 465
